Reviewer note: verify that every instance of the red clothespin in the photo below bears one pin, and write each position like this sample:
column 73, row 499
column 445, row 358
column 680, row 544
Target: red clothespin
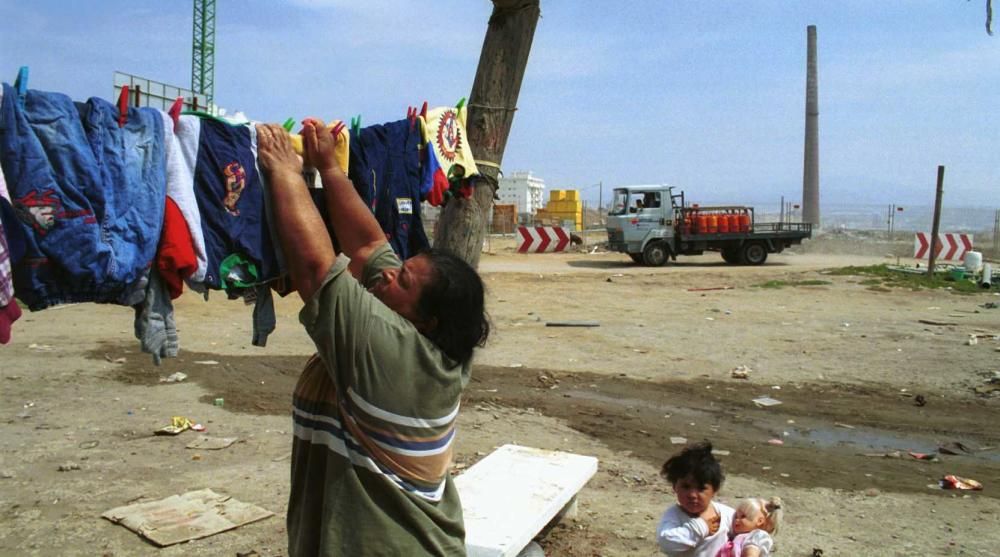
column 423, row 110
column 337, row 129
column 411, row 115
column 175, row 110
column 123, row 107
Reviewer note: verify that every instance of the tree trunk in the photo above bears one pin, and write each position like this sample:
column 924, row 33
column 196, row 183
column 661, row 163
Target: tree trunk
column 462, row 224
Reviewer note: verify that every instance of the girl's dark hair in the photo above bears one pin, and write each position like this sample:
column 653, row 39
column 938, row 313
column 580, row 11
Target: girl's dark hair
column 696, row 461
column 455, row 298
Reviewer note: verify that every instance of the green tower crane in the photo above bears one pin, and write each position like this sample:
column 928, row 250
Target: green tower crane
column 203, row 50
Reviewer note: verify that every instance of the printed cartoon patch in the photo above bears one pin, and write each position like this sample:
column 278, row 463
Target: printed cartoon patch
column 41, row 211
column 449, row 137
column 404, row 205
column 235, row 183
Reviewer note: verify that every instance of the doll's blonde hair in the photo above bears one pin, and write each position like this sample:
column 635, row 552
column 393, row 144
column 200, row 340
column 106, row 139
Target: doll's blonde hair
column 771, row 509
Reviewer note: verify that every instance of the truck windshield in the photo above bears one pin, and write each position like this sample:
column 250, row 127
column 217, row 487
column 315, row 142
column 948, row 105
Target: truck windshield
column 619, row 205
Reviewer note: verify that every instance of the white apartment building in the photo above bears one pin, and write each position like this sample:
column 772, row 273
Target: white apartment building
column 524, row 190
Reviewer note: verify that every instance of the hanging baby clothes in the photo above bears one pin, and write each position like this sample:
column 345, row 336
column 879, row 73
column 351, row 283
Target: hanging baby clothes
column 9, row 310
column 385, row 169
column 88, row 195
column 181, row 141
column 231, row 199
column 447, row 151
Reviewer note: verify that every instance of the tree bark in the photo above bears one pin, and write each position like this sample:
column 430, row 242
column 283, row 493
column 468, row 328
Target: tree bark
column 461, row 227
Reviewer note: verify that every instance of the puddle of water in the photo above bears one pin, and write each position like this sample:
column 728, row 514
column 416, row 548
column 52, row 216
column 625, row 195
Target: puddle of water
column 863, row 440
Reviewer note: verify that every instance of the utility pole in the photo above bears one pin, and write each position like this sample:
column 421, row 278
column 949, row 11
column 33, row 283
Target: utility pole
column 932, row 258
column 203, row 51
column 461, row 226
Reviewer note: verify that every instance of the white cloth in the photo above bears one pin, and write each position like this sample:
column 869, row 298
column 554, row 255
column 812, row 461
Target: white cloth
column 181, row 146
column 680, row 535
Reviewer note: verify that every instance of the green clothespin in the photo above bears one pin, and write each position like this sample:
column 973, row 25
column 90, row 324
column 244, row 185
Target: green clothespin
column 356, row 125
column 289, row 124
column 460, row 104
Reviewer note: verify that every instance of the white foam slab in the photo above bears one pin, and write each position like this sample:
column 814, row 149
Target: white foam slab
column 509, row 496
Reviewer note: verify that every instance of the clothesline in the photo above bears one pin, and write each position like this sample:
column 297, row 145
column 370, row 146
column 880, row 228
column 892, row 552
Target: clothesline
column 125, row 205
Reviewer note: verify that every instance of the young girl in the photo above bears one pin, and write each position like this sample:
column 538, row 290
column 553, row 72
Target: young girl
column 696, row 526
column 755, row 522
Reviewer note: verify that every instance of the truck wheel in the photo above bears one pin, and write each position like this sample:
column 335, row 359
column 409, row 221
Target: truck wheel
column 636, row 257
column 731, row 255
column 655, row 254
column 754, row 253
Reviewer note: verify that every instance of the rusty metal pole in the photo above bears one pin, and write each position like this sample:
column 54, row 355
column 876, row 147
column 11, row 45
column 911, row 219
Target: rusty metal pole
column 937, row 222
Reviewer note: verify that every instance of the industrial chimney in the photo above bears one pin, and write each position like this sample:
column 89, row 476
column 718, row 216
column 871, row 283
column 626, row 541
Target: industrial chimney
column 810, row 164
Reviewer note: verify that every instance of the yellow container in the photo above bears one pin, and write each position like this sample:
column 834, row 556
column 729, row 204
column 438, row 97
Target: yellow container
column 557, row 195
column 572, row 195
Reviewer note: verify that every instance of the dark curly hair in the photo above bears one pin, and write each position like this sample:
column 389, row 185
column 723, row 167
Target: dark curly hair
column 696, row 461
column 455, row 299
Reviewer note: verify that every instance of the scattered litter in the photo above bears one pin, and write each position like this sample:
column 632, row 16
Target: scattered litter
column 936, row 323
column 114, row 360
column 954, row 448
column 922, row 456
column 89, row 444
column 7, row 475
column 741, row 372
column 69, row 466
column 219, row 402
column 845, row 324
column 973, row 340
column 197, row 427
column 211, row 443
column 987, row 305
column 207, row 362
column 920, row 400
column 845, row 426
column 957, row 482
column 177, row 425
column 784, row 475
column 775, row 387
column 176, row 377
column 893, row 454
column 709, row 319
column 720, row 452
column 817, row 552
column 191, row 516
column 775, row 442
column 516, row 365
column 766, row 401
column 572, row 324
column 678, row 440
column 40, row 347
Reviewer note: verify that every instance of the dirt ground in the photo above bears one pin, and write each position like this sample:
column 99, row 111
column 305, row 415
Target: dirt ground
column 861, row 379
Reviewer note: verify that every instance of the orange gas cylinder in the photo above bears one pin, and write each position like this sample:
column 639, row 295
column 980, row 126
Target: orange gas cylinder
column 744, row 222
column 723, row 223
column 713, row 223
column 686, row 226
column 734, row 222
column 702, row 221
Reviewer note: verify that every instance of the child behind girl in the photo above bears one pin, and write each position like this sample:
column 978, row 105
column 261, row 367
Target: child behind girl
column 696, row 526
column 754, row 524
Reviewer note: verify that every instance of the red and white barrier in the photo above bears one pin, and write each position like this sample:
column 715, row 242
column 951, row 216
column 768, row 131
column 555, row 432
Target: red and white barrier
column 950, row 247
column 540, row 239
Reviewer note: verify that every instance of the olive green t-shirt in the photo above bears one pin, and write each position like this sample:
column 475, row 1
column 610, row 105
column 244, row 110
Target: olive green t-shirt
column 374, row 419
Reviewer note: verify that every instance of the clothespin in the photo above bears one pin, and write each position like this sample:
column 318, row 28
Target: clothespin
column 356, row 125
column 337, row 129
column 460, row 104
column 423, row 110
column 123, row 107
column 411, row 115
column 21, row 83
column 289, row 124
column 175, row 110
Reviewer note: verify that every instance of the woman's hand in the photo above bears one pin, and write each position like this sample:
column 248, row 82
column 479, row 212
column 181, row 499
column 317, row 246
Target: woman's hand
column 319, row 144
column 274, row 150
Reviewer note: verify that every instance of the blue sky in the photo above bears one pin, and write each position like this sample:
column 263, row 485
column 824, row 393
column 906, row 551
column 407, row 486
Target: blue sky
column 709, row 96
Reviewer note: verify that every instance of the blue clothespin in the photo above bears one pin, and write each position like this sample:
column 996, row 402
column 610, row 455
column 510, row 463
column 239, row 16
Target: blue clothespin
column 356, row 125
column 460, row 104
column 21, row 83
column 289, row 124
